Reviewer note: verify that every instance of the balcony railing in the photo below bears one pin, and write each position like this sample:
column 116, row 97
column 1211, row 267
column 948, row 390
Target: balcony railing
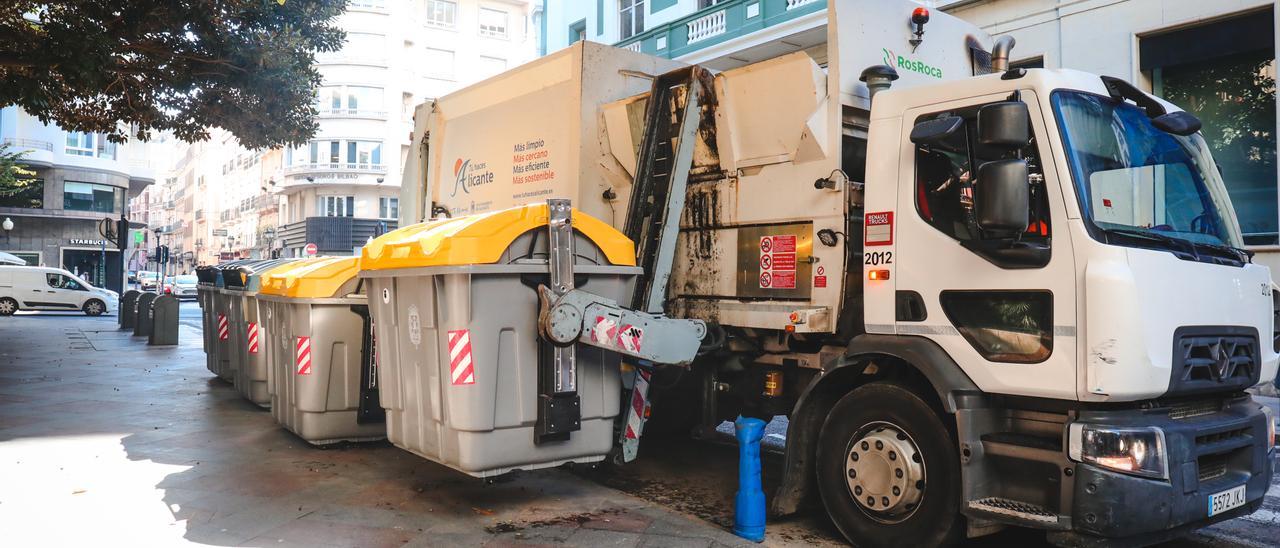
column 34, row 144
column 335, row 167
column 351, row 113
column 707, row 26
column 717, row 23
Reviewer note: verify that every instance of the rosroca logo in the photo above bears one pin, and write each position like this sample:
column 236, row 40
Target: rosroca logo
column 467, row 175
column 898, row 61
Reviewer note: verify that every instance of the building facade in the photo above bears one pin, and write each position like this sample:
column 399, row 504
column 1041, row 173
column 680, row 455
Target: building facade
column 342, row 187
column 81, row 181
column 719, row 34
column 1214, row 59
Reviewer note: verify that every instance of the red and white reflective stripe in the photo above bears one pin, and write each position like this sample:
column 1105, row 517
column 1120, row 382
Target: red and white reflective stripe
column 461, row 368
column 253, row 338
column 635, row 416
column 604, row 331
column 224, row 331
column 304, row 355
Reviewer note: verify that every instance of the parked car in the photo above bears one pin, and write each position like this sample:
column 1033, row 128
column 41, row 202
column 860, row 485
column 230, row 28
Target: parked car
column 44, row 288
column 183, row 287
column 147, row 280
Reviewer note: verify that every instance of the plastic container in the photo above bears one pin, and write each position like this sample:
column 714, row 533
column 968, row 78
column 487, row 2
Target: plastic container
column 319, row 352
column 455, row 311
column 213, row 314
column 244, row 337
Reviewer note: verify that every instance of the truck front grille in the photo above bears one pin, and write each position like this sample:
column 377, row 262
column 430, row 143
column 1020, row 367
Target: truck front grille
column 1214, row 359
column 1212, row 467
column 1194, row 409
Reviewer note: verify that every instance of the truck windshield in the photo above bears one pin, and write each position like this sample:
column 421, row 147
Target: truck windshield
column 1141, row 187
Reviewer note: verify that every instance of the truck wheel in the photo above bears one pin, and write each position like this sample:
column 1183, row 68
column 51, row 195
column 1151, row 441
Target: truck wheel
column 888, row 470
column 94, row 307
column 8, row 306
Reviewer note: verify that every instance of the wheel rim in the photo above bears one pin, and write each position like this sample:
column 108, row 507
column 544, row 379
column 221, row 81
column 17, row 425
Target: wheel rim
column 94, row 308
column 6, row 307
column 885, row 472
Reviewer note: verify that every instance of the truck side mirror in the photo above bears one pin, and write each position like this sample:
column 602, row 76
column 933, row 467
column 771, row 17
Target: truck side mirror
column 1002, row 197
column 1005, row 125
column 937, row 130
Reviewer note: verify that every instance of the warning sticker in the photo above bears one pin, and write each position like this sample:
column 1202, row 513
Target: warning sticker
column 631, row 338
column 820, row 277
column 605, row 330
column 877, row 228
column 784, row 280
column 778, row 262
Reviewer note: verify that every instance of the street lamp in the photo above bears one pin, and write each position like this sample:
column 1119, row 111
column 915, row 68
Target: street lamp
column 7, row 225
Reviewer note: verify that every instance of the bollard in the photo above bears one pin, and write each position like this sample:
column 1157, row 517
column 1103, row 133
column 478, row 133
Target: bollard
column 142, row 323
column 748, row 517
column 125, row 313
column 164, row 321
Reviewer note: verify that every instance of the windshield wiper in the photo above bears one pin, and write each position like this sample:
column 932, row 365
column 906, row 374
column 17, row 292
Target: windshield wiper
column 1156, row 237
column 1242, row 255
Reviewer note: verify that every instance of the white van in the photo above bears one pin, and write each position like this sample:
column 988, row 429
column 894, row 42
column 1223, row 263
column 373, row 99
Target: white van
column 42, row 288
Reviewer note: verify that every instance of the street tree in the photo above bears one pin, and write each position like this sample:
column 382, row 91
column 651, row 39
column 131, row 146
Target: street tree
column 129, row 68
column 16, row 181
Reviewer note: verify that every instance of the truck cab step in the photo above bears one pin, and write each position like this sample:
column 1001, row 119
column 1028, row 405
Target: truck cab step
column 1015, row 512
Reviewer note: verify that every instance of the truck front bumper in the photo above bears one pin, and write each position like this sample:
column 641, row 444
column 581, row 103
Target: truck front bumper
column 1206, row 455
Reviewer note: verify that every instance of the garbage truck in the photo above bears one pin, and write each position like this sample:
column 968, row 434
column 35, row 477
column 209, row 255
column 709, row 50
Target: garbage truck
column 982, row 296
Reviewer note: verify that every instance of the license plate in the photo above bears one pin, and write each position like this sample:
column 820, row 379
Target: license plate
column 1226, row 500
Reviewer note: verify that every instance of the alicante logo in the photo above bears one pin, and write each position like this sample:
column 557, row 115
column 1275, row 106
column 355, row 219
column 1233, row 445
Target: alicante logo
column 467, row 175
column 901, row 62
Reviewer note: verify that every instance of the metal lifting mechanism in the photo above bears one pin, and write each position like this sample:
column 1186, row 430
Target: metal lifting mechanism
column 568, row 316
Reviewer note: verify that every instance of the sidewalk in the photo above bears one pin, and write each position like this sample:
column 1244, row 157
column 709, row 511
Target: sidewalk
column 105, row 439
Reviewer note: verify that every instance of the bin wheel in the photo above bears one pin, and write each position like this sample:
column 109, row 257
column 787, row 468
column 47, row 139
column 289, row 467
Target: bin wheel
column 94, row 307
column 8, row 306
column 888, row 470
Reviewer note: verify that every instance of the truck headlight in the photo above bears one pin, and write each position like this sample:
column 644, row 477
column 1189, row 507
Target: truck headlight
column 1271, row 426
column 1137, row 450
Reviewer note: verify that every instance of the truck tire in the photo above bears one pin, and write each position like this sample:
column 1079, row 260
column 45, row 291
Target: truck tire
column 8, row 306
column 94, row 307
column 888, row 470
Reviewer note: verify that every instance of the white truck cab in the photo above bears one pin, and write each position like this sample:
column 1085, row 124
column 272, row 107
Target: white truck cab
column 983, row 297
column 44, row 288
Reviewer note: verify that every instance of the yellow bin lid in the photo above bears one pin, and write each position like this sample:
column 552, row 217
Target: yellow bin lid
column 315, row 278
column 482, row 239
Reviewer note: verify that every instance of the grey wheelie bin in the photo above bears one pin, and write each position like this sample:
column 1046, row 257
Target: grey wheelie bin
column 455, row 312
column 248, row 359
column 219, row 328
column 206, row 287
column 319, row 352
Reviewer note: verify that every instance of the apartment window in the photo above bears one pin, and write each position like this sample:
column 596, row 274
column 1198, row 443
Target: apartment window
column 352, row 100
column 24, row 193
column 490, row 66
column 439, row 63
column 493, row 23
column 365, row 45
column 337, row 206
column 91, row 197
column 631, row 18
column 388, row 208
column 90, row 145
column 350, row 153
column 79, row 144
column 704, row 4
column 364, row 154
column 578, row 31
column 442, row 13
